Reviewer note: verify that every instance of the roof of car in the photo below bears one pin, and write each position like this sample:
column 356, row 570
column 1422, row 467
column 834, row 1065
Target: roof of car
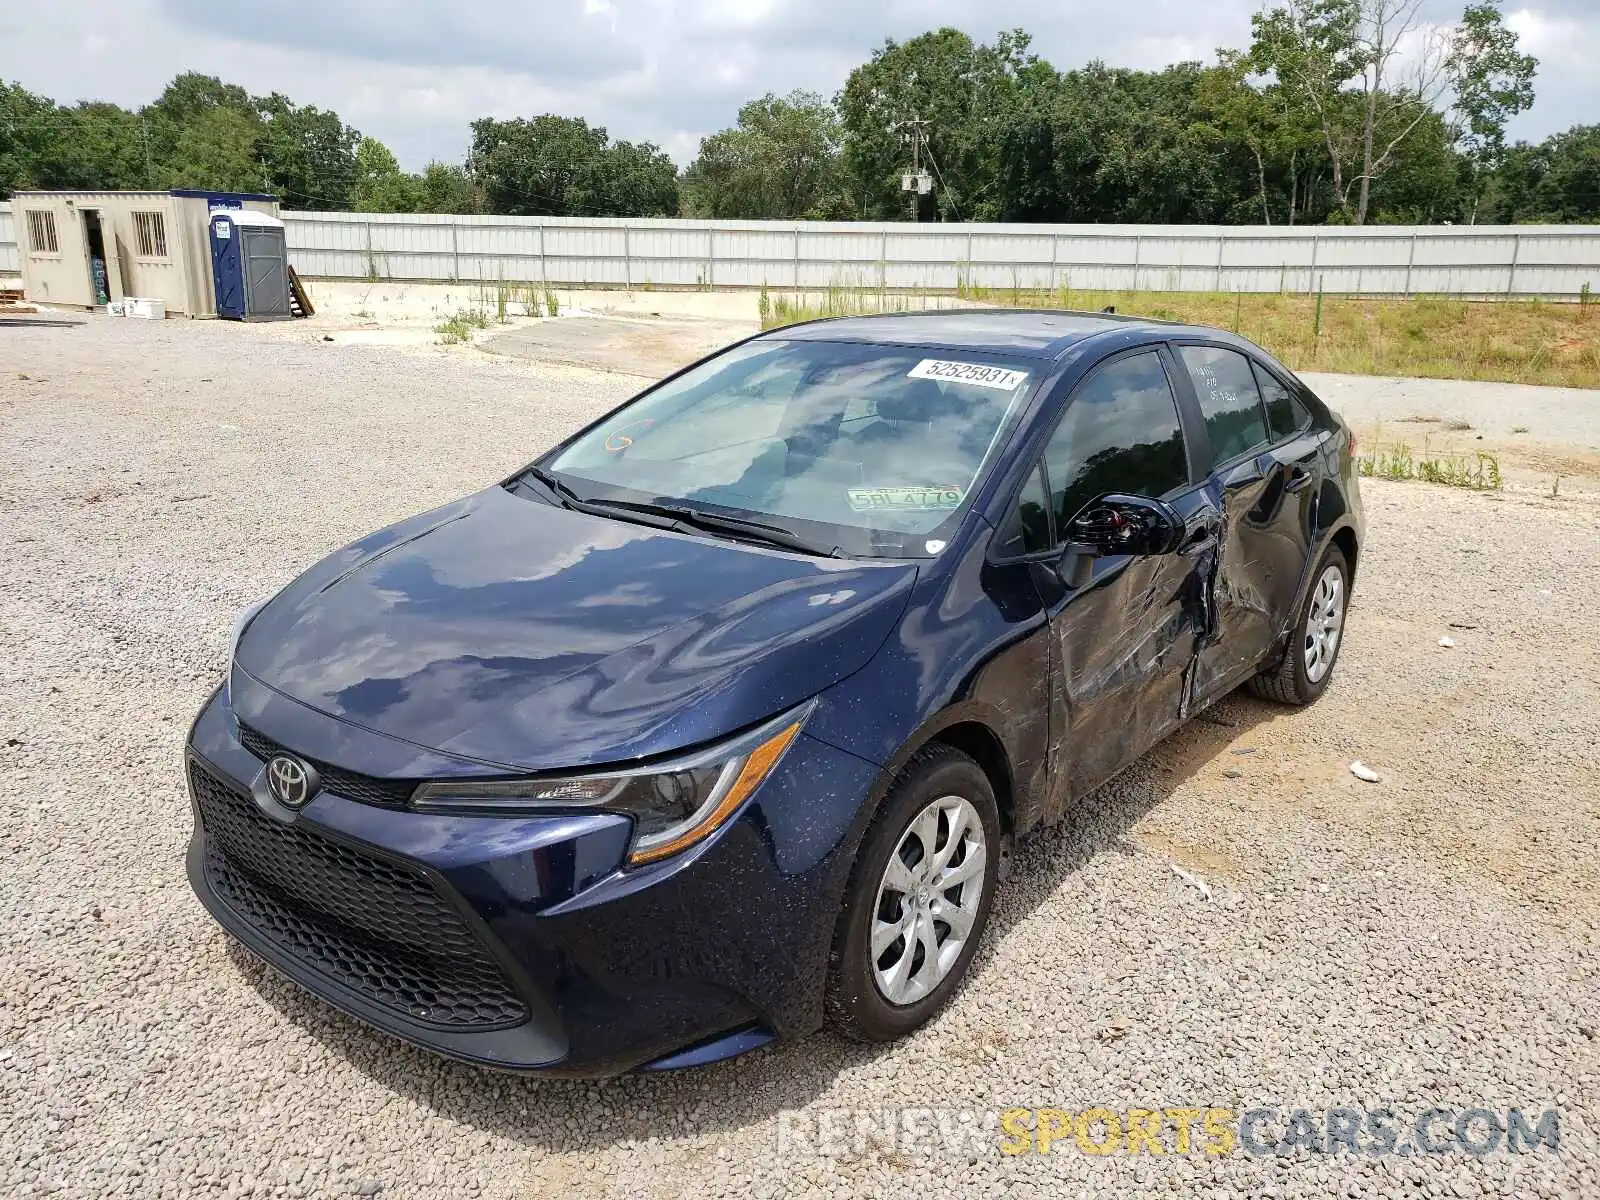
column 1043, row 333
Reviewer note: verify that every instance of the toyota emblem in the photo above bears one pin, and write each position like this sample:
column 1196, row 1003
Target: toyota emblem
column 288, row 781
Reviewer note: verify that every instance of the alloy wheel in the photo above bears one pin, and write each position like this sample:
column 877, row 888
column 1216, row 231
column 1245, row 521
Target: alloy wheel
column 927, row 900
column 1324, row 624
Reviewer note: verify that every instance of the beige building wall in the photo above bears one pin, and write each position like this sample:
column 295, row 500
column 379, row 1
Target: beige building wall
column 156, row 245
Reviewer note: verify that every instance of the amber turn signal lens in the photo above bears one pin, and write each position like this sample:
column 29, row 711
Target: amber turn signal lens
column 757, row 766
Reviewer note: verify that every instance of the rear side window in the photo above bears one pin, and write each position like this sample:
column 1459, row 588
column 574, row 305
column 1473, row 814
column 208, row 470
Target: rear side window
column 1285, row 414
column 1120, row 434
column 1229, row 400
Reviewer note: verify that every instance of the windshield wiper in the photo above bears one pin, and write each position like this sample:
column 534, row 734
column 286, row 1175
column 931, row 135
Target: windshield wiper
column 564, row 495
column 680, row 518
column 760, row 531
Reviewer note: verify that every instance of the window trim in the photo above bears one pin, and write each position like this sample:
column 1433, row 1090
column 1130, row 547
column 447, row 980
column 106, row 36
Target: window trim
column 46, row 220
column 1295, row 401
column 1036, row 461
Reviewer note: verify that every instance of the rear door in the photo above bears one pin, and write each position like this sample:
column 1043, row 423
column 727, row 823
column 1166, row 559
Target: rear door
column 1263, row 463
column 1126, row 639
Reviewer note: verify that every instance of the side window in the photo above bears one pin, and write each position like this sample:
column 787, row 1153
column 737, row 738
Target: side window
column 1285, row 414
column 1120, row 434
column 1027, row 529
column 1229, row 400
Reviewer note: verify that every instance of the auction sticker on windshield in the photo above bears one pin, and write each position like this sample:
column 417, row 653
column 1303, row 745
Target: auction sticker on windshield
column 875, row 499
column 1002, row 379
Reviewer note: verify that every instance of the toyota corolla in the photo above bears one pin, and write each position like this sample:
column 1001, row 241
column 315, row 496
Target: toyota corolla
column 717, row 723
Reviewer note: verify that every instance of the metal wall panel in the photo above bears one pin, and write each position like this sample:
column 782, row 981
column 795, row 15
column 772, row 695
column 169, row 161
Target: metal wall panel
column 1377, row 260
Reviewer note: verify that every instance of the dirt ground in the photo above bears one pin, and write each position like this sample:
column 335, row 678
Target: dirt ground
column 1432, row 938
column 1543, row 438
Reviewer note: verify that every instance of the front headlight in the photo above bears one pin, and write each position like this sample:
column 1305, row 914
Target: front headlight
column 673, row 805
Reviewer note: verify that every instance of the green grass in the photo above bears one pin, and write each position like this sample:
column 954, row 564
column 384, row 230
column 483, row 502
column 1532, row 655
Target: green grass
column 1429, row 337
column 459, row 327
column 1476, row 471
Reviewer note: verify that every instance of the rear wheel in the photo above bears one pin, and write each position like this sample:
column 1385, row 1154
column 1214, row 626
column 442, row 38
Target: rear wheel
column 1308, row 663
column 918, row 898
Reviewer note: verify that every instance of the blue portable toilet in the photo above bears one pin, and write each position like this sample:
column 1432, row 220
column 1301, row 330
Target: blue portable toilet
column 249, row 265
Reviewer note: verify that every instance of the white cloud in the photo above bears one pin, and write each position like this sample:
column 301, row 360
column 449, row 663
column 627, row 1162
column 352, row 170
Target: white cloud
column 415, row 74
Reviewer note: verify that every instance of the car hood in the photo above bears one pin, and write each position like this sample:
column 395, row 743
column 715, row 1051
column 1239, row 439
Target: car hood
column 520, row 635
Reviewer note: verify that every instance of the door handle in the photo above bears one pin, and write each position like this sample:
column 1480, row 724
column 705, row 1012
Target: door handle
column 1201, row 537
column 1299, row 480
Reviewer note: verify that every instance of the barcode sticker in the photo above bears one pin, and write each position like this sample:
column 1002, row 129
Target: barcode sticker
column 1001, row 379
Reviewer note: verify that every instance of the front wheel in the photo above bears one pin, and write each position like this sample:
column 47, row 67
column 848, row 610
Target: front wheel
column 918, row 898
column 1307, row 665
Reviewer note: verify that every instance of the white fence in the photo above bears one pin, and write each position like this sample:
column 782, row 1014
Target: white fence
column 1552, row 261
column 1549, row 260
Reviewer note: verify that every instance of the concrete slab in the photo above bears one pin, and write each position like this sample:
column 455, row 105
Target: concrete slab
column 647, row 347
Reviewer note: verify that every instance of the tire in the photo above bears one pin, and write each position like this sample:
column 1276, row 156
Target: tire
column 1295, row 680
column 864, row 1000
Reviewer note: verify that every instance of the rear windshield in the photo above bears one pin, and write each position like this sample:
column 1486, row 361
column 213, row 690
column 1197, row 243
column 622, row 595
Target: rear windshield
column 879, row 447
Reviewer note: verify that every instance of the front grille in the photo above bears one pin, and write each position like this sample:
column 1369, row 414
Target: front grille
column 385, row 793
column 379, row 928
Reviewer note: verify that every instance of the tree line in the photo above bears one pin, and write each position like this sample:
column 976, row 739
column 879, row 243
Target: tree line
column 1339, row 111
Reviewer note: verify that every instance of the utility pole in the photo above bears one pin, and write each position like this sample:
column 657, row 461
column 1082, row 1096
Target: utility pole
column 916, row 181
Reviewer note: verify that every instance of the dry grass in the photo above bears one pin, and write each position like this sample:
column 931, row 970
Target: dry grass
column 1428, row 337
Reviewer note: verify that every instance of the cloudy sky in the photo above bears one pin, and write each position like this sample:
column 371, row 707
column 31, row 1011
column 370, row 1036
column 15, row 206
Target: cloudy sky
column 414, row 72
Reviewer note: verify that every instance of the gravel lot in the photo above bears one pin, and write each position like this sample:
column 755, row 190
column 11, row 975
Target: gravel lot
column 1432, row 939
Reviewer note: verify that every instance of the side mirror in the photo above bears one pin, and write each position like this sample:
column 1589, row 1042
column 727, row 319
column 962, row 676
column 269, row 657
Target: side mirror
column 1118, row 524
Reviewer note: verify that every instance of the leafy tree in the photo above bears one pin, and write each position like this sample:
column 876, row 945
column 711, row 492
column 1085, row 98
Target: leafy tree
column 1106, row 144
column 380, row 184
column 1340, row 60
column 310, row 154
column 1425, row 186
column 186, row 100
column 1281, row 143
column 967, row 94
column 1557, row 180
column 562, row 166
column 447, row 188
column 215, row 150
column 780, row 162
column 28, row 133
column 1491, row 81
column 99, row 146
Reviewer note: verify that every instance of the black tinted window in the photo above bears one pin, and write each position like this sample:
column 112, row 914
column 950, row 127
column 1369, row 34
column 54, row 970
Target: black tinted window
column 1034, row 513
column 1028, row 527
column 1120, row 434
column 1285, row 414
column 1229, row 400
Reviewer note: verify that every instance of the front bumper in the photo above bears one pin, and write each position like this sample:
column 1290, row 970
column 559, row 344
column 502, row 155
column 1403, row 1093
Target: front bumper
column 520, row 942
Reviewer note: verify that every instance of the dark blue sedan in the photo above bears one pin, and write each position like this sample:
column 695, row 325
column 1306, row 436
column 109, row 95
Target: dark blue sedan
column 716, row 724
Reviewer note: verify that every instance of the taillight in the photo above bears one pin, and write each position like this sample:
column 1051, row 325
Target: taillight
column 1352, row 443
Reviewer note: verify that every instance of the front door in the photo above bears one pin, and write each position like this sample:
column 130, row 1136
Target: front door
column 1127, row 636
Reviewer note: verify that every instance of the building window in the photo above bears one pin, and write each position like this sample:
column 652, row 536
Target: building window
column 151, row 230
column 42, row 232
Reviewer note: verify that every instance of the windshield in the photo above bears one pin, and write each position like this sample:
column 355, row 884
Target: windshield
column 875, row 447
